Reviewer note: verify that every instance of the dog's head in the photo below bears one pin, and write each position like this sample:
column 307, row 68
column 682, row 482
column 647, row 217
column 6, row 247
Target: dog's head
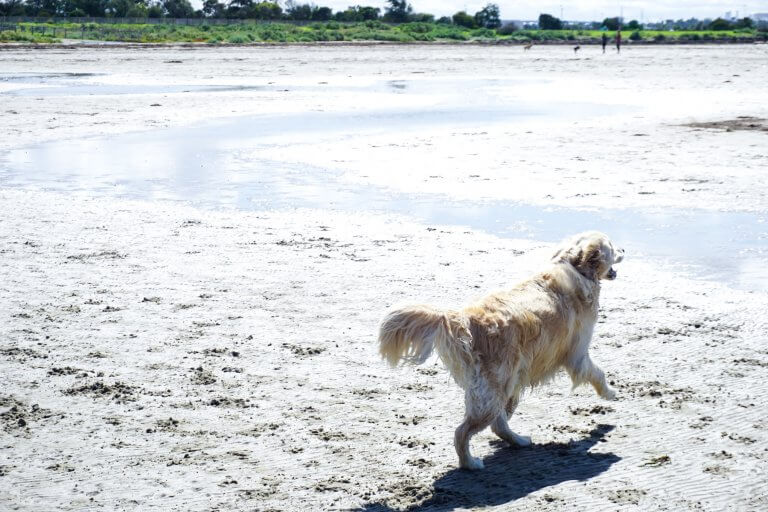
column 591, row 253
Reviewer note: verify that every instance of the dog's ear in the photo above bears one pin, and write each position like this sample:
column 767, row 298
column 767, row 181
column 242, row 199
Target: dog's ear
column 587, row 260
column 594, row 257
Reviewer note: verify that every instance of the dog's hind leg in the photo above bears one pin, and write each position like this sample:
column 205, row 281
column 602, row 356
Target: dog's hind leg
column 587, row 371
column 500, row 425
column 482, row 408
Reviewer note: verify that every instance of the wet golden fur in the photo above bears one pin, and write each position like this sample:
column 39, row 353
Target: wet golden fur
column 513, row 339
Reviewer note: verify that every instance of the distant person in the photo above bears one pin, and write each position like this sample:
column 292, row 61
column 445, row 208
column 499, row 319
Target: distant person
column 618, row 40
column 605, row 41
column 576, row 49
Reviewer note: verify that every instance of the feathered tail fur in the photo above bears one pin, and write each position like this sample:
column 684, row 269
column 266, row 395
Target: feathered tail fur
column 412, row 333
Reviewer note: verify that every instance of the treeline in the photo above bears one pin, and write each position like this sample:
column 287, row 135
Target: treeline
column 549, row 22
column 397, row 11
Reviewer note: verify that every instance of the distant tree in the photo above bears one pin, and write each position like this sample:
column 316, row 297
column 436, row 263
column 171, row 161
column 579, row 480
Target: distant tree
column 88, row 7
column 346, row 15
column 463, row 19
column 31, row 7
column 691, row 23
column 126, row 9
column 213, row 8
column 549, row 22
column 178, row 8
column 488, row 16
column 265, row 11
column 422, row 17
column 744, row 23
column 239, row 8
column 358, row 13
column 47, row 7
column 138, row 10
column 612, row 23
column 12, row 8
column 298, row 12
column 398, row 11
column 322, row 13
column 55, row 7
column 9, row 6
column 369, row 13
column 634, row 25
column 720, row 24
column 444, row 20
column 155, row 10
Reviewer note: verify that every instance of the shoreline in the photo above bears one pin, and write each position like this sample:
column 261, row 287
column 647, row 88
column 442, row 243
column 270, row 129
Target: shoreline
column 94, row 44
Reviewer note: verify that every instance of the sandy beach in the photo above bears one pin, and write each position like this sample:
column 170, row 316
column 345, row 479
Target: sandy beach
column 197, row 246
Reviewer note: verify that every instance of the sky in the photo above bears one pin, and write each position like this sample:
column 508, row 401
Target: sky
column 583, row 10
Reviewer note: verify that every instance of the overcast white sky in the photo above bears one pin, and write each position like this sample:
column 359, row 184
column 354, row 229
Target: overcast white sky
column 581, row 10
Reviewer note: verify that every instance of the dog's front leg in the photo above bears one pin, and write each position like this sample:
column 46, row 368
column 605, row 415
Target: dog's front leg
column 586, row 371
column 597, row 379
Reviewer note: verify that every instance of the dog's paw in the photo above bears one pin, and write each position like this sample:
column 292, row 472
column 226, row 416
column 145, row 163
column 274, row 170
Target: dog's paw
column 609, row 393
column 472, row 464
column 523, row 441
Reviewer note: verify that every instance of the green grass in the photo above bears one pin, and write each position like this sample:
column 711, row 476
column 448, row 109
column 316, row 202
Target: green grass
column 254, row 32
column 11, row 36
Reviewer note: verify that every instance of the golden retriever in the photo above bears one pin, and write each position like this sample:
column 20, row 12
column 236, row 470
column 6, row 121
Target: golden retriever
column 513, row 339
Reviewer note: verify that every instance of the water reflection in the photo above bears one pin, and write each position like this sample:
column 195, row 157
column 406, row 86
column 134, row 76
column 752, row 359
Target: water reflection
column 220, row 164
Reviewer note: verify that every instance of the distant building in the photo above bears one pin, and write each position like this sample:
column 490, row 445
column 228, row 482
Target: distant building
column 760, row 16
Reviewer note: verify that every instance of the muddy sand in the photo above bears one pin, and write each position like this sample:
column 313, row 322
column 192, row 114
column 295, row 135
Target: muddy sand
column 204, row 339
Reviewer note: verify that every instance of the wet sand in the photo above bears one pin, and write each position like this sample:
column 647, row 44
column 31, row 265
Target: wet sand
column 167, row 348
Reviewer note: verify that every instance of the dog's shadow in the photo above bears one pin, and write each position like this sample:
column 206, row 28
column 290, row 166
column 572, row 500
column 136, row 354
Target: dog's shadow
column 511, row 474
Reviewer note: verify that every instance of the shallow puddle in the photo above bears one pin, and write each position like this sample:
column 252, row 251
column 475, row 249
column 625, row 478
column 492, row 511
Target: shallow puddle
column 217, row 166
column 43, row 78
column 72, row 84
column 115, row 90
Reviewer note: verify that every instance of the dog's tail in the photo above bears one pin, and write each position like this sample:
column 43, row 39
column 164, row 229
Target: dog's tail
column 412, row 333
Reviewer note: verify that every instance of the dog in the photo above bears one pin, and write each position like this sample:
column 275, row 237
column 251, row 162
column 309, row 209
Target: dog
column 511, row 340
column 528, row 46
column 576, row 49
